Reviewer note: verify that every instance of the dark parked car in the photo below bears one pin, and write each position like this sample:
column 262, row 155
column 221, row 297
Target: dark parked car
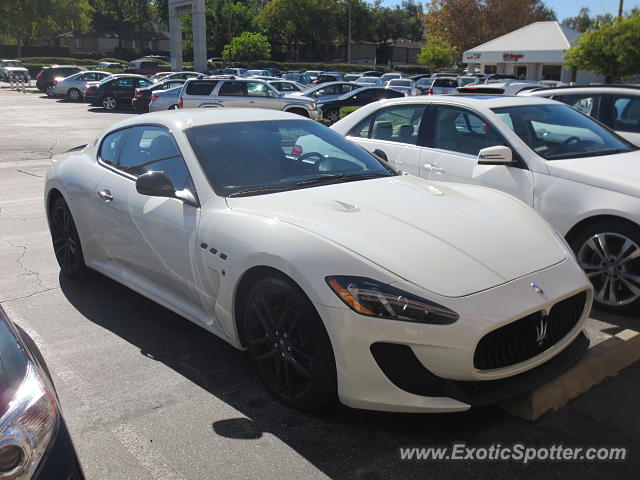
column 326, row 77
column 330, row 90
column 276, row 72
column 35, row 440
column 372, row 73
column 142, row 95
column 357, row 98
column 420, row 76
column 45, row 80
column 145, row 67
column 302, row 78
column 115, row 90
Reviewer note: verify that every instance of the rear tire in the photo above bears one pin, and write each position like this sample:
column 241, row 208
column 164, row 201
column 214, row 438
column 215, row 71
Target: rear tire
column 288, row 345
column 66, row 241
column 109, row 103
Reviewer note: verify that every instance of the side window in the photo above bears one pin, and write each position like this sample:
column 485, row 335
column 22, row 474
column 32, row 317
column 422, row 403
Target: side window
column 123, row 83
column 363, row 128
column 149, row 148
column 256, row 89
column 460, row 130
column 200, row 87
column 587, row 104
column 171, row 85
column 140, row 83
column 234, row 89
column 398, row 124
column 111, row 145
column 626, row 113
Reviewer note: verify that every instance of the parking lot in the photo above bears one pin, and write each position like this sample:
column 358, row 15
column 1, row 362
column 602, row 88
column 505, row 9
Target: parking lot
column 148, row 395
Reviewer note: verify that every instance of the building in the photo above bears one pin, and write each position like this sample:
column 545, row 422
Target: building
column 399, row 52
column 534, row 52
column 106, row 42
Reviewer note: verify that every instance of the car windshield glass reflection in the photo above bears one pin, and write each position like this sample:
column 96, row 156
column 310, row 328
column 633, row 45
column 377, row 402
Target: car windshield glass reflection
column 254, row 158
column 558, row 132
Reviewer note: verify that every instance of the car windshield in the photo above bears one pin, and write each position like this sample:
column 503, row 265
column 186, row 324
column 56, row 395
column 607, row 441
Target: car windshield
column 400, row 83
column 12, row 63
column 557, row 132
column 368, row 80
column 260, row 157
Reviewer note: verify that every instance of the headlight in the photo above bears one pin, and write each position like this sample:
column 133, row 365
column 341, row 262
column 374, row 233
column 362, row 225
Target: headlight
column 314, row 106
column 376, row 299
column 27, row 427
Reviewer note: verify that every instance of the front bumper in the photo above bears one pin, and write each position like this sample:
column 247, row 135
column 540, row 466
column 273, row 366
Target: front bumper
column 140, row 104
column 443, row 354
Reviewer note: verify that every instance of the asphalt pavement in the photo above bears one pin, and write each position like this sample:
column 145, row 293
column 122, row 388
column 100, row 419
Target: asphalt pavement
column 148, row 395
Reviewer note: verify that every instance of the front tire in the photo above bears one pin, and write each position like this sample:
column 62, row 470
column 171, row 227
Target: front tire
column 66, row 241
column 609, row 253
column 74, row 95
column 109, row 103
column 288, row 345
column 49, row 90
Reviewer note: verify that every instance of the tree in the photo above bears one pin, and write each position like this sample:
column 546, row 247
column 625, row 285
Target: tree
column 26, row 20
column 437, row 53
column 248, row 47
column 469, row 23
column 612, row 50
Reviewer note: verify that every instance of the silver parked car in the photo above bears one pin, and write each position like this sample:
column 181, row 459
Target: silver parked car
column 387, row 77
column 243, row 93
column 404, row 85
column 13, row 68
column 74, row 86
column 165, row 99
column 177, row 76
column 370, row 82
column 287, row 86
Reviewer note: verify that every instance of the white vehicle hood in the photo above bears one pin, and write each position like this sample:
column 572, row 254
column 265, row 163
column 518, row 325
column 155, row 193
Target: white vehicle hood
column 450, row 239
column 620, row 173
column 298, row 98
column 16, row 69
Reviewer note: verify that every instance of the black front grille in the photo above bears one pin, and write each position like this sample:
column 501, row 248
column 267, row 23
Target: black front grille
column 529, row 336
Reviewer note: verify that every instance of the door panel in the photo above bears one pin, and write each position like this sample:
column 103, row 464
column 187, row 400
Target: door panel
column 233, row 94
column 456, row 136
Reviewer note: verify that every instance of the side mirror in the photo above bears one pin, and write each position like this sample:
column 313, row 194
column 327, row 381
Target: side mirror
column 155, row 184
column 497, row 155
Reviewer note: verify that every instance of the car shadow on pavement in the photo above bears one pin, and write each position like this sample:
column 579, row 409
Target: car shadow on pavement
column 118, row 110
column 341, row 442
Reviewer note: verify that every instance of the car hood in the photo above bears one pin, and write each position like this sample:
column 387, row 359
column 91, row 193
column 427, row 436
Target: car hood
column 451, row 239
column 620, row 172
column 298, row 98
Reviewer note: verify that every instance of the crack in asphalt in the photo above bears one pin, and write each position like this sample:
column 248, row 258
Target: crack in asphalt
column 28, row 296
column 30, row 272
column 30, row 174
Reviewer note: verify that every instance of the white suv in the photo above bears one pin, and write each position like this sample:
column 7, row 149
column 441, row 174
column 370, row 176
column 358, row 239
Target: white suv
column 244, row 93
column 581, row 176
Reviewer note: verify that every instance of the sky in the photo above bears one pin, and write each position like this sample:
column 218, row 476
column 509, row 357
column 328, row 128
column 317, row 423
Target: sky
column 571, row 8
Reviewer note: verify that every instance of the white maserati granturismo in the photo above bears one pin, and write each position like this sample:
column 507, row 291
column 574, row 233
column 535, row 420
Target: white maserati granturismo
column 343, row 279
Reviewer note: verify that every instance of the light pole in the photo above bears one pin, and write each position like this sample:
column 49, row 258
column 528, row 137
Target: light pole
column 620, row 9
column 349, row 34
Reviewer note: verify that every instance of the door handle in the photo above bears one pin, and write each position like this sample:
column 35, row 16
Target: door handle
column 105, row 195
column 434, row 169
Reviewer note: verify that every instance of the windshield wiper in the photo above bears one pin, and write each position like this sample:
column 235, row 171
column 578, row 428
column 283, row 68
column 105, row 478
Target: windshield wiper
column 342, row 177
column 247, row 192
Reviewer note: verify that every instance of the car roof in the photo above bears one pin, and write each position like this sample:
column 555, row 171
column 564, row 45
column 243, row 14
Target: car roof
column 482, row 101
column 183, row 119
column 635, row 89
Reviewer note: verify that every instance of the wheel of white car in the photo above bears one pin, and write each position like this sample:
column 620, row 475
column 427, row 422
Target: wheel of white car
column 173, row 107
column 49, row 90
column 288, row 345
column 66, row 241
column 109, row 103
column 609, row 253
column 332, row 116
column 74, row 94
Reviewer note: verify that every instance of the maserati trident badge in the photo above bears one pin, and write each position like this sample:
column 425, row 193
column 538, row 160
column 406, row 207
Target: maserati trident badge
column 537, row 288
column 541, row 331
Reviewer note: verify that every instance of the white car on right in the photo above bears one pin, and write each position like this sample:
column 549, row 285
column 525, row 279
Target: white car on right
column 617, row 106
column 581, row 176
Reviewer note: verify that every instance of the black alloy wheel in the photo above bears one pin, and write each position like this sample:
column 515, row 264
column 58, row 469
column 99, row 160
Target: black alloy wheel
column 288, row 345
column 332, row 115
column 66, row 241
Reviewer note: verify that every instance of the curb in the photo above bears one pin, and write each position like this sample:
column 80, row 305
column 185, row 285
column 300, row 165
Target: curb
column 602, row 361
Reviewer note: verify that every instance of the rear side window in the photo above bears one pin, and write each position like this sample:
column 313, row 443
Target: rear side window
column 626, row 113
column 111, row 145
column 234, row 89
column 445, row 82
column 200, row 88
column 399, row 123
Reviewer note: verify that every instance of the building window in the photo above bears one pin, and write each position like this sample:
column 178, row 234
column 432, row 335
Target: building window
column 490, row 69
column 551, row 72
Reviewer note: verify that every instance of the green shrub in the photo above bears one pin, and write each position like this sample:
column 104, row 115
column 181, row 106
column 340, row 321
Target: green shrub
column 58, row 61
column 344, row 111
